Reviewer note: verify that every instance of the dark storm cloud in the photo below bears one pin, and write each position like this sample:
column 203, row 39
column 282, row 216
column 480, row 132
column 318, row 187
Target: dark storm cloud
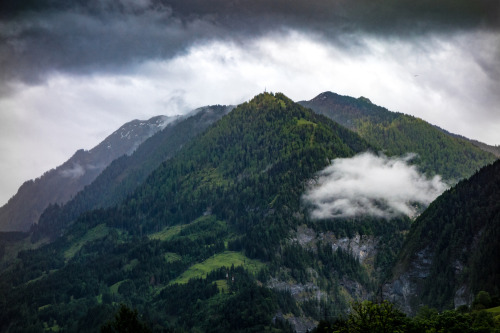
column 37, row 37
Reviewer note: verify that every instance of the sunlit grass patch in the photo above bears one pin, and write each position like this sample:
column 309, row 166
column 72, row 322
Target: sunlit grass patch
column 225, row 259
column 97, row 232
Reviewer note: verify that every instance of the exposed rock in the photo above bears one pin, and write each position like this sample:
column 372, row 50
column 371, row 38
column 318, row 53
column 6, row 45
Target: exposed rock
column 404, row 289
column 461, row 297
column 299, row 324
column 361, row 247
column 300, row 292
column 302, row 324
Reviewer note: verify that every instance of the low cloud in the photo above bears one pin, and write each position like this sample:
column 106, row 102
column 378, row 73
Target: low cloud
column 371, row 185
column 75, row 172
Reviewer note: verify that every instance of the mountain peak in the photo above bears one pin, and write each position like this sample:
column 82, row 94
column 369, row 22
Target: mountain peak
column 60, row 184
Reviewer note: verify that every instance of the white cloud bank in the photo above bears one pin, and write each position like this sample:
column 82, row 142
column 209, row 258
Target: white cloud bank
column 371, row 185
column 439, row 78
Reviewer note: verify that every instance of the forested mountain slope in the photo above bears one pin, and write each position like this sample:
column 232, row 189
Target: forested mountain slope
column 207, row 242
column 451, row 157
column 61, row 184
column 126, row 173
column 451, row 251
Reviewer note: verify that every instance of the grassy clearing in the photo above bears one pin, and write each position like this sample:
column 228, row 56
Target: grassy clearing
column 222, row 285
column 495, row 310
column 114, row 288
column 130, row 266
column 226, row 259
column 302, row 122
column 44, row 274
column 167, row 233
column 172, row 257
column 43, row 307
column 170, row 232
column 97, row 232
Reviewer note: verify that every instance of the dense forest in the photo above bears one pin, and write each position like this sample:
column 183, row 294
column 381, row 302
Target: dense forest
column 458, row 238
column 217, row 238
column 438, row 152
column 384, row 317
column 127, row 172
column 227, row 201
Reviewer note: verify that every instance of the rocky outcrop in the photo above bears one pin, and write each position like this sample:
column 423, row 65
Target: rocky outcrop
column 363, row 248
column 405, row 288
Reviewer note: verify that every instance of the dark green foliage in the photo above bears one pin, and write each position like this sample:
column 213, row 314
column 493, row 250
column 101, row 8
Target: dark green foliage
column 482, row 300
column 438, row 152
column 126, row 173
column 249, row 169
column 462, row 225
column 368, row 317
column 338, row 263
column 126, row 321
column 239, row 183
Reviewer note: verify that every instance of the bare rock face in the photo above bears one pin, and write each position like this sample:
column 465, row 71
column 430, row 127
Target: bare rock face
column 363, row 248
column 404, row 289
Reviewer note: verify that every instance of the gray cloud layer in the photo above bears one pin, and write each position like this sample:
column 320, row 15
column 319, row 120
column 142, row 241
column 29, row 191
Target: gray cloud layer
column 72, row 71
column 38, row 37
column 371, row 185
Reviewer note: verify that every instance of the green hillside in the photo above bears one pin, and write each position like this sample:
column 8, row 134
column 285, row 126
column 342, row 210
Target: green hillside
column 126, row 173
column 394, row 133
column 451, row 251
column 226, row 206
column 218, row 239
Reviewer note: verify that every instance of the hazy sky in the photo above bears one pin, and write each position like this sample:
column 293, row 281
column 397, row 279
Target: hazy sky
column 73, row 71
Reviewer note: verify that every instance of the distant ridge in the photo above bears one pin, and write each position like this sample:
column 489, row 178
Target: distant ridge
column 439, row 152
column 60, row 184
column 127, row 172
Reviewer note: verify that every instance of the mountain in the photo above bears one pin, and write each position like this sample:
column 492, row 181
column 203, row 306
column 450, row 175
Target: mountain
column 61, row 184
column 439, row 152
column 219, row 236
column 127, row 172
column 495, row 150
column 209, row 242
column 450, row 252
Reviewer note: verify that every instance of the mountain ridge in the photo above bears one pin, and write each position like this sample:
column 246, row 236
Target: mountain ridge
column 127, row 172
column 219, row 238
column 231, row 195
column 439, row 152
column 60, row 184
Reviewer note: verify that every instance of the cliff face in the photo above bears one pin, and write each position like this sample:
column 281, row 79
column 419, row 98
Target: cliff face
column 363, row 249
column 406, row 288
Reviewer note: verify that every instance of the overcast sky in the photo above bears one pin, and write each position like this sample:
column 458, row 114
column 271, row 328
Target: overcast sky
column 73, row 71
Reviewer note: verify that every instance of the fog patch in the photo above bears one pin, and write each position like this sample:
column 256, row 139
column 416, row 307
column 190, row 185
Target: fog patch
column 75, row 172
column 371, row 185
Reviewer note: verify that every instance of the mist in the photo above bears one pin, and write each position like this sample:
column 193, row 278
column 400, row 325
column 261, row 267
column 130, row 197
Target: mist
column 371, row 185
column 75, row 172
